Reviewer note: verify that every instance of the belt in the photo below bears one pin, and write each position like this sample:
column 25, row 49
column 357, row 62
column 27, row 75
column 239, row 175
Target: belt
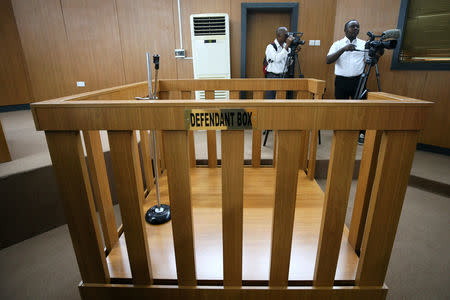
column 344, row 77
column 275, row 74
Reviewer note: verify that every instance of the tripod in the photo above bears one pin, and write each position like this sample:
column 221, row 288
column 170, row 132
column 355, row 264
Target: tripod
column 361, row 90
column 291, row 62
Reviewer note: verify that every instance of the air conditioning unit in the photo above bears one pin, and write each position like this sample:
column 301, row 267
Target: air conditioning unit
column 210, row 36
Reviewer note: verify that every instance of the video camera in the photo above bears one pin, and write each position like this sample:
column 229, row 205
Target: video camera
column 388, row 40
column 297, row 39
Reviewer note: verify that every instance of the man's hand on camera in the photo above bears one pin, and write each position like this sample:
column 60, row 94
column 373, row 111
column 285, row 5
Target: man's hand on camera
column 299, row 47
column 289, row 40
column 349, row 47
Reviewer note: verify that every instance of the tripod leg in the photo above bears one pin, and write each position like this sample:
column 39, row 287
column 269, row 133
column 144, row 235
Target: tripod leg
column 378, row 77
column 266, row 134
column 300, row 75
column 360, row 90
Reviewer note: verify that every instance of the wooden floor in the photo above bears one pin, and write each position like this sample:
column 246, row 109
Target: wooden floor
column 259, row 185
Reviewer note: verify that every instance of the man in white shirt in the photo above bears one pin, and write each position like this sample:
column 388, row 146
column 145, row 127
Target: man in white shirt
column 277, row 58
column 349, row 63
column 276, row 67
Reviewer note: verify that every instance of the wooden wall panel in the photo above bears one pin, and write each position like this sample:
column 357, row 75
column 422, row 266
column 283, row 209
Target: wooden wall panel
column 44, row 41
column 14, row 82
column 147, row 25
column 94, row 42
column 378, row 16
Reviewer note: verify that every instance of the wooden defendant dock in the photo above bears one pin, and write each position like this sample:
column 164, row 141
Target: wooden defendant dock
column 248, row 232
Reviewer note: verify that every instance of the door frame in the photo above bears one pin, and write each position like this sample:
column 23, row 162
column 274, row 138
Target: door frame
column 290, row 7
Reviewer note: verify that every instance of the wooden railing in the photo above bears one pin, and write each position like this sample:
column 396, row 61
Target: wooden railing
column 395, row 122
column 254, row 88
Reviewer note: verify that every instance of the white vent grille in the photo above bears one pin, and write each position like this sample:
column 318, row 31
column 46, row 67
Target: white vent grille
column 217, row 95
column 200, row 95
column 214, row 25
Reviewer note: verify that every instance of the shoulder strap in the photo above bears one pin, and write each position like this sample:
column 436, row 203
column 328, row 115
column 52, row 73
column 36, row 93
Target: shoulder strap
column 274, row 46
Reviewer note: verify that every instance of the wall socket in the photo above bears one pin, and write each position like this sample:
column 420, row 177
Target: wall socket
column 314, row 42
column 180, row 53
column 81, row 84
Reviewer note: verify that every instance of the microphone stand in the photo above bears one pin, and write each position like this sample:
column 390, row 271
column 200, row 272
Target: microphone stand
column 159, row 213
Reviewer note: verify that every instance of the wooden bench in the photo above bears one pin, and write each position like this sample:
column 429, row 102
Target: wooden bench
column 236, row 231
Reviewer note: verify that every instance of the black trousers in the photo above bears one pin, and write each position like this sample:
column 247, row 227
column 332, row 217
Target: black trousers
column 272, row 94
column 345, row 88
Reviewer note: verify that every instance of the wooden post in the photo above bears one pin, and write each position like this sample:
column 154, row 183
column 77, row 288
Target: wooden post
column 100, row 187
column 391, row 179
column 256, row 136
column 339, row 180
column 281, row 95
column 290, row 143
column 147, row 159
column 71, row 173
column 234, row 94
column 313, row 143
column 232, row 205
column 179, row 181
column 211, row 138
column 364, row 188
column 302, row 156
column 275, row 147
column 130, row 193
column 312, row 155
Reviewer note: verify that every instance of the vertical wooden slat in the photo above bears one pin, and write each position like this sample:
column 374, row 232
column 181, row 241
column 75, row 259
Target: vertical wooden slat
column 232, row 205
column 174, row 95
column 256, row 148
column 339, row 179
column 71, row 173
column 130, row 193
column 179, row 181
column 256, row 136
column 289, row 145
column 192, row 158
column 212, row 148
column 312, row 154
column 4, row 150
column 186, row 95
column 303, row 95
column 391, row 179
column 147, row 159
column 100, row 187
column 313, row 144
column 364, row 188
column 303, row 150
column 281, row 95
column 275, row 147
column 234, row 94
column 211, row 138
column 258, row 95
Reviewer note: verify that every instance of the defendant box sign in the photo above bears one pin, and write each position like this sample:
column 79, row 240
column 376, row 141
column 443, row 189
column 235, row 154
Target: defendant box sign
column 219, row 119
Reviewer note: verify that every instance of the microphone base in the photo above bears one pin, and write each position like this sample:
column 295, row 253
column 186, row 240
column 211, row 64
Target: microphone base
column 158, row 215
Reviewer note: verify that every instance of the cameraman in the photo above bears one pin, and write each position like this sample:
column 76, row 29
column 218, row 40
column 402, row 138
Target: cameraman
column 349, row 63
column 276, row 59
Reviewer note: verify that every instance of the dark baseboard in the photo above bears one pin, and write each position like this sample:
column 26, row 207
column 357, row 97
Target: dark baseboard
column 434, row 149
column 7, row 108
